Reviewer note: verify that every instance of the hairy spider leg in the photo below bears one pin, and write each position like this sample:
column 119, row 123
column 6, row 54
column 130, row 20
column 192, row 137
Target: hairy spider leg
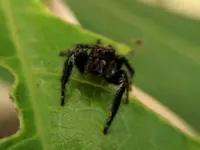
column 88, row 46
column 127, row 64
column 132, row 73
column 119, row 78
column 77, row 48
column 68, row 52
column 79, row 59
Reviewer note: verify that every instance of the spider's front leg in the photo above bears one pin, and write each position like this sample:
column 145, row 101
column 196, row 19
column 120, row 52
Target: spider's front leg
column 119, row 78
column 79, row 59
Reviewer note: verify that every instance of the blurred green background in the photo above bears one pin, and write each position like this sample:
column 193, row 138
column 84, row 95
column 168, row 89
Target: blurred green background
column 168, row 64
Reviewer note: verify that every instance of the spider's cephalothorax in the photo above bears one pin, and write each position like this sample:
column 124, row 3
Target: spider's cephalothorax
column 101, row 61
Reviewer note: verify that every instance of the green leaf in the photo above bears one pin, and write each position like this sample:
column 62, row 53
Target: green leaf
column 167, row 64
column 32, row 39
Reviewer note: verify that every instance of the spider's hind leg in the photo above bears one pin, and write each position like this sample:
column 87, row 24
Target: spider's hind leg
column 119, row 78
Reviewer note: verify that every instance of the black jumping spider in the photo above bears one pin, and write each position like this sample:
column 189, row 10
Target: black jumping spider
column 101, row 61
